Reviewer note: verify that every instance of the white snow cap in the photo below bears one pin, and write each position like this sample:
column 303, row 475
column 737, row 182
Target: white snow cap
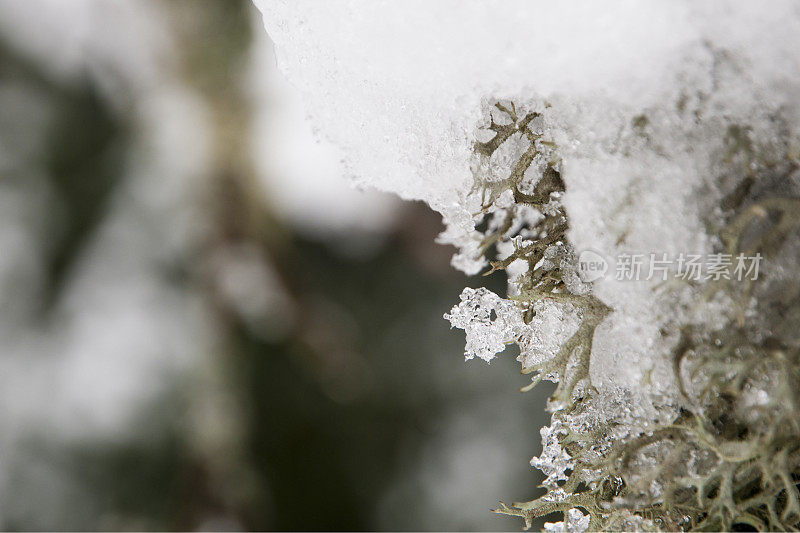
column 397, row 85
column 642, row 96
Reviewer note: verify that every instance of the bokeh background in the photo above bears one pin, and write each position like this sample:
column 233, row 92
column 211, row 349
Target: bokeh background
column 201, row 325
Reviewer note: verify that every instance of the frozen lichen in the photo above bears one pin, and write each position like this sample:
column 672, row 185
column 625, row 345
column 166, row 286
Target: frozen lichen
column 622, row 129
column 616, row 448
column 696, row 453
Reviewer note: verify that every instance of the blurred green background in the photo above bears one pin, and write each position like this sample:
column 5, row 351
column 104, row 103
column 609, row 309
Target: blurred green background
column 201, row 325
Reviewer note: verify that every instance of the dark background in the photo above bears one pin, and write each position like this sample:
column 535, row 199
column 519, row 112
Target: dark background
column 146, row 383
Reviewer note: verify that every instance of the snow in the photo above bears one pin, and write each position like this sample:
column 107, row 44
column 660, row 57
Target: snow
column 397, row 86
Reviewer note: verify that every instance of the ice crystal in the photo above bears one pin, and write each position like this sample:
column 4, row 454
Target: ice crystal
column 554, row 461
column 489, row 321
column 576, row 522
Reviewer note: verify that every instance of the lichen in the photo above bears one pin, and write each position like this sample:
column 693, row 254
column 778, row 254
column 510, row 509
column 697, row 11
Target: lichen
column 726, row 454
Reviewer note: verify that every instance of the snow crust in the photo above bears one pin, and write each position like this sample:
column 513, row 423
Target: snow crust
column 397, row 85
